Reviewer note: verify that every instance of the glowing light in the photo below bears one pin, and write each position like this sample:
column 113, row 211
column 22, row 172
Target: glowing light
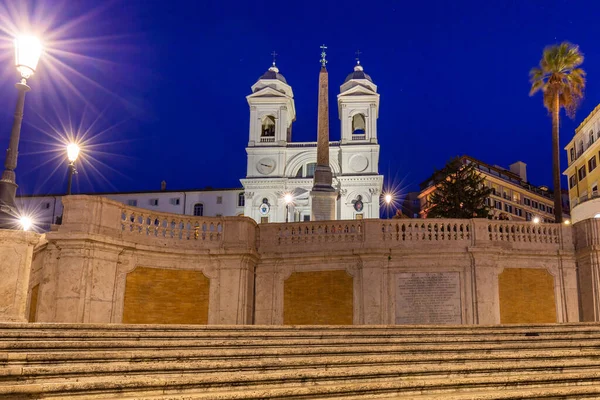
column 536, row 220
column 288, row 198
column 597, row 215
column 73, row 151
column 28, row 50
column 388, row 198
column 26, row 223
column 567, row 222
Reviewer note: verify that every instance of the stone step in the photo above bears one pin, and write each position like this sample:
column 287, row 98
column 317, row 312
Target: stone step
column 380, row 344
column 42, row 335
column 313, row 354
column 60, row 372
column 60, row 328
column 362, row 380
column 351, row 391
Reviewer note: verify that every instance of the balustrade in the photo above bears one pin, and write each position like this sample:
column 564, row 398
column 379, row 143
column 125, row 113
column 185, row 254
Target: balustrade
column 324, row 232
column 170, row 226
column 424, row 230
column 523, row 232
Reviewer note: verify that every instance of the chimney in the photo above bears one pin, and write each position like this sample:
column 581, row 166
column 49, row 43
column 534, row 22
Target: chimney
column 163, row 186
column 519, row 168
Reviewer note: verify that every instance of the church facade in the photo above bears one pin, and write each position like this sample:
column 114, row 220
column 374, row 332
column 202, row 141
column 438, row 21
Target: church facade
column 277, row 166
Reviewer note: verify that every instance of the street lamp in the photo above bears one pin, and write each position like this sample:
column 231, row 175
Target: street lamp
column 388, row 200
column 27, row 53
column 536, row 220
column 72, row 153
column 288, row 198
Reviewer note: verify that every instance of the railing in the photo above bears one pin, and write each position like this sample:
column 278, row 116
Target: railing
column 523, row 232
column 267, row 140
column 448, row 230
column 325, row 232
column 410, row 234
column 587, row 197
column 169, row 226
column 359, row 137
column 311, row 144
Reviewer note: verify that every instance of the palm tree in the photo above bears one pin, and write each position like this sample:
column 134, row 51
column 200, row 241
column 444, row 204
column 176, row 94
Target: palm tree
column 562, row 84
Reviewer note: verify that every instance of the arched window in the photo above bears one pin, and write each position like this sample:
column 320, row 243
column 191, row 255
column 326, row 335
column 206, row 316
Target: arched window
column 299, row 173
column 198, row 209
column 268, row 126
column 310, row 170
column 241, row 199
column 358, row 124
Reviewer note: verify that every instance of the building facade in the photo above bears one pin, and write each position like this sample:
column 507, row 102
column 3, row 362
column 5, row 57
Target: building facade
column 583, row 154
column 279, row 166
column 512, row 198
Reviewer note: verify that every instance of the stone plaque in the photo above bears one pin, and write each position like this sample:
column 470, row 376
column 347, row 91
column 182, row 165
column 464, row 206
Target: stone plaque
column 428, row 298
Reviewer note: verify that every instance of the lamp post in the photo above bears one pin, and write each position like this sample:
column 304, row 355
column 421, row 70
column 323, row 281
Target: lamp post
column 288, row 200
column 27, row 53
column 72, row 153
column 388, row 200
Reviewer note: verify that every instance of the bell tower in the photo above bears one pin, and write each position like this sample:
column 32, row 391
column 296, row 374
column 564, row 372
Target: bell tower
column 272, row 110
column 358, row 107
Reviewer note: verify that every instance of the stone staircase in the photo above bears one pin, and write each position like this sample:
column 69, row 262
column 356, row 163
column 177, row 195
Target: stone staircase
column 75, row 361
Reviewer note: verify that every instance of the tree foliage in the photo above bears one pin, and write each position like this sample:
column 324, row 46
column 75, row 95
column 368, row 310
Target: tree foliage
column 558, row 74
column 460, row 192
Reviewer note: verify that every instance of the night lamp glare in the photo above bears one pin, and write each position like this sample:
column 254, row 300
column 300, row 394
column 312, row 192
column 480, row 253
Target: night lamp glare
column 388, row 198
column 72, row 152
column 26, row 223
column 287, row 198
column 536, row 220
column 28, row 50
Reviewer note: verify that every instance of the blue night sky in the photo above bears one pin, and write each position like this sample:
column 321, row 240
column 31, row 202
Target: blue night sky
column 158, row 87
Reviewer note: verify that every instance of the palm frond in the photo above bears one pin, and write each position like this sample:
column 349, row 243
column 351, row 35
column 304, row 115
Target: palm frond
column 558, row 72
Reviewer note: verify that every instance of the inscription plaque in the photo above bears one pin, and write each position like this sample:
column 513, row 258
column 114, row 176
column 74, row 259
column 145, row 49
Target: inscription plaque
column 428, row 298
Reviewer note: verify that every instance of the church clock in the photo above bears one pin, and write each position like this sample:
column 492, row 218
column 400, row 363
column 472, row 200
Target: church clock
column 265, row 166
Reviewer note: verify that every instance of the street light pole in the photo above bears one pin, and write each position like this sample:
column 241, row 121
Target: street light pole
column 72, row 153
column 70, row 181
column 8, row 186
column 288, row 198
column 27, row 53
column 388, row 200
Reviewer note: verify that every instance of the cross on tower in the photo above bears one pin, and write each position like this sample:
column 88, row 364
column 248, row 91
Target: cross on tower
column 274, row 54
column 358, row 53
column 323, row 55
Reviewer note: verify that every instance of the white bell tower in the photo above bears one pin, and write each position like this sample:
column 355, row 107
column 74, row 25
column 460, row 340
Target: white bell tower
column 272, row 110
column 358, row 107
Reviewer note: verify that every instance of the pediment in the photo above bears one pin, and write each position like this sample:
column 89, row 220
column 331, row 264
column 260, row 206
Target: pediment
column 359, row 90
column 267, row 91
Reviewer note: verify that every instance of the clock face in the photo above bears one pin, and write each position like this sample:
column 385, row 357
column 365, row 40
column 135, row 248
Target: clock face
column 265, row 166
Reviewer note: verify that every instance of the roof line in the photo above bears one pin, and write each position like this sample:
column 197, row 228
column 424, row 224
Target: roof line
column 134, row 192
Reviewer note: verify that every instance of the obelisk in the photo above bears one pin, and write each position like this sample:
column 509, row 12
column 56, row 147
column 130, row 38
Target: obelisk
column 323, row 195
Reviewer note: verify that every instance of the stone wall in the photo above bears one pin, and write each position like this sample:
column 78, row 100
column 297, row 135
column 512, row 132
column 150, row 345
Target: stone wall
column 360, row 272
column 16, row 258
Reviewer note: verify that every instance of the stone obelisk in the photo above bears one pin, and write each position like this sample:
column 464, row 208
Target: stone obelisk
column 323, row 194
